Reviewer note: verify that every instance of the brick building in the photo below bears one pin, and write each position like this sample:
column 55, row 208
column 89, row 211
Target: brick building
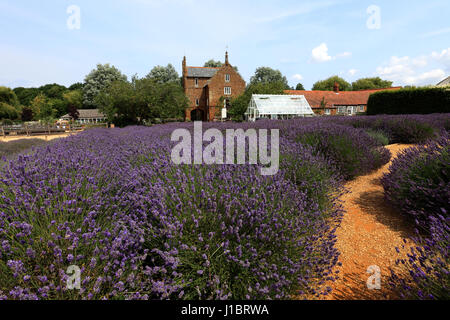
column 337, row 102
column 210, row 89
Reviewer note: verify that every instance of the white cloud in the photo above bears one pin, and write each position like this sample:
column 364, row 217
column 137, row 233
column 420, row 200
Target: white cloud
column 305, row 8
column 352, row 72
column 297, row 76
column 410, row 71
column 443, row 58
column 344, row 55
column 435, row 33
column 320, row 54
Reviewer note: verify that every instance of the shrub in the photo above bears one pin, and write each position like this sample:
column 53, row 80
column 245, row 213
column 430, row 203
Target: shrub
column 8, row 149
column 314, row 175
column 409, row 131
column 378, row 136
column 418, row 181
column 410, row 101
column 418, row 184
column 8, row 111
column 427, row 262
column 353, row 151
column 400, row 129
column 221, row 246
column 139, row 227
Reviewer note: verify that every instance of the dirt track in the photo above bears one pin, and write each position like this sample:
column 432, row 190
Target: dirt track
column 368, row 235
column 43, row 137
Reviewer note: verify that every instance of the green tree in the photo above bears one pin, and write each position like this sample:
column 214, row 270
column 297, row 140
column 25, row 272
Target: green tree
column 216, row 64
column 164, row 74
column 59, row 107
column 213, row 64
column 74, row 97
column 26, row 95
column 300, row 87
column 328, row 84
column 371, row 83
column 126, row 103
column 97, row 80
column 9, row 104
column 8, row 96
column 53, row 91
column 43, row 108
column 8, row 112
column 269, row 75
column 76, row 86
column 239, row 105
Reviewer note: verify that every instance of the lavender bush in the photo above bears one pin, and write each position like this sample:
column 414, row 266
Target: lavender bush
column 418, row 183
column 403, row 128
column 353, row 151
column 139, row 227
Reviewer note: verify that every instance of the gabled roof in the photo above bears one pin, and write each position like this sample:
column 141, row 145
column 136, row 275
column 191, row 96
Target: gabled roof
column 268, row 104
column 443, row 83
column 201, row 72
column 341, row 98
column 87, row 114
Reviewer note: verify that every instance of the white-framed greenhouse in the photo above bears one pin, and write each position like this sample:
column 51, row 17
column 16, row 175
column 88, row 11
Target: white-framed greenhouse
column 278, row 107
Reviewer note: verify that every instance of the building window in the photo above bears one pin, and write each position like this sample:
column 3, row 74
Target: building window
column 227, row 78
column 361, row 108
column 207, row 102
column 327, row 112
column 197, row 102
column 227, row 90
column 196, row 82
column 341, row 110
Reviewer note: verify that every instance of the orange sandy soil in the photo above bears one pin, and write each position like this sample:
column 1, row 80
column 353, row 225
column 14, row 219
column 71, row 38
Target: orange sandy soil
column 368, row 235
column 43, row 137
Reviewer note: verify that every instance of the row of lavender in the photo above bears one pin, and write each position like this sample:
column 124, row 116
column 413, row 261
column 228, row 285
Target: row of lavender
column 112, row 203
column 418, row 183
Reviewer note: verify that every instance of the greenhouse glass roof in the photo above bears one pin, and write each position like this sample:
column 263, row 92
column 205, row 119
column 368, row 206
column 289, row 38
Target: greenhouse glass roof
column 281, row 104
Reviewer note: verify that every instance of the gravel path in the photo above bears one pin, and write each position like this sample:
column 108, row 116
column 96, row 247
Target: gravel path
column 42, row 137
column 368, row 235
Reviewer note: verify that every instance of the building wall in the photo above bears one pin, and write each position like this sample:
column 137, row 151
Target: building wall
column 195, row 92
column 210, row 96
column 217, row 86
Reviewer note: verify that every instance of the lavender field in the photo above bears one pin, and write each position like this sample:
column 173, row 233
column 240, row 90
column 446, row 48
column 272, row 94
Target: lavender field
column 111, row 202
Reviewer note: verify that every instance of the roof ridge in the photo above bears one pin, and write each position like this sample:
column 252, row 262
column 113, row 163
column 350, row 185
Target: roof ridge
column 204, row 67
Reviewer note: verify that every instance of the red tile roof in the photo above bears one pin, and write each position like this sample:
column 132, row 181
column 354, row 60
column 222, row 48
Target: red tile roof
column 342, row 98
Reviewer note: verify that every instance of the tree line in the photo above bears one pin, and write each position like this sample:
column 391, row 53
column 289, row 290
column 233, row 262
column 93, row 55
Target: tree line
column 158, row 95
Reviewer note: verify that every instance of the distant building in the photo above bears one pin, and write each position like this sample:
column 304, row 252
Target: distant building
column 338, row 102
column 278, row 107
column 444, row 83
column 210, row 90
column 87, row 116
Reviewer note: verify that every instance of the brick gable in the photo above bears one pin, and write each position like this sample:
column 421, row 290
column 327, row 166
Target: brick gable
column 210, row 88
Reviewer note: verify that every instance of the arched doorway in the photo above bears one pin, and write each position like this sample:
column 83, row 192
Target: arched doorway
column 197, row 115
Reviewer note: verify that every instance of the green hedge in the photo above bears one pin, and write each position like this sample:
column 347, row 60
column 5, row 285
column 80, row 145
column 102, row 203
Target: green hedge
column 410, row 101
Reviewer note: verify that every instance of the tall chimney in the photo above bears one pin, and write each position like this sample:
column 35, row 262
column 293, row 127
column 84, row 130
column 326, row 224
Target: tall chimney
column 336, row 87
column 184, row 72
column 226, row 58
column 184, row 65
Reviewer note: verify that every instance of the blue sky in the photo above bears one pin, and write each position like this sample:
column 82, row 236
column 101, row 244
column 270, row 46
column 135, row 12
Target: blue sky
column 306, row 40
